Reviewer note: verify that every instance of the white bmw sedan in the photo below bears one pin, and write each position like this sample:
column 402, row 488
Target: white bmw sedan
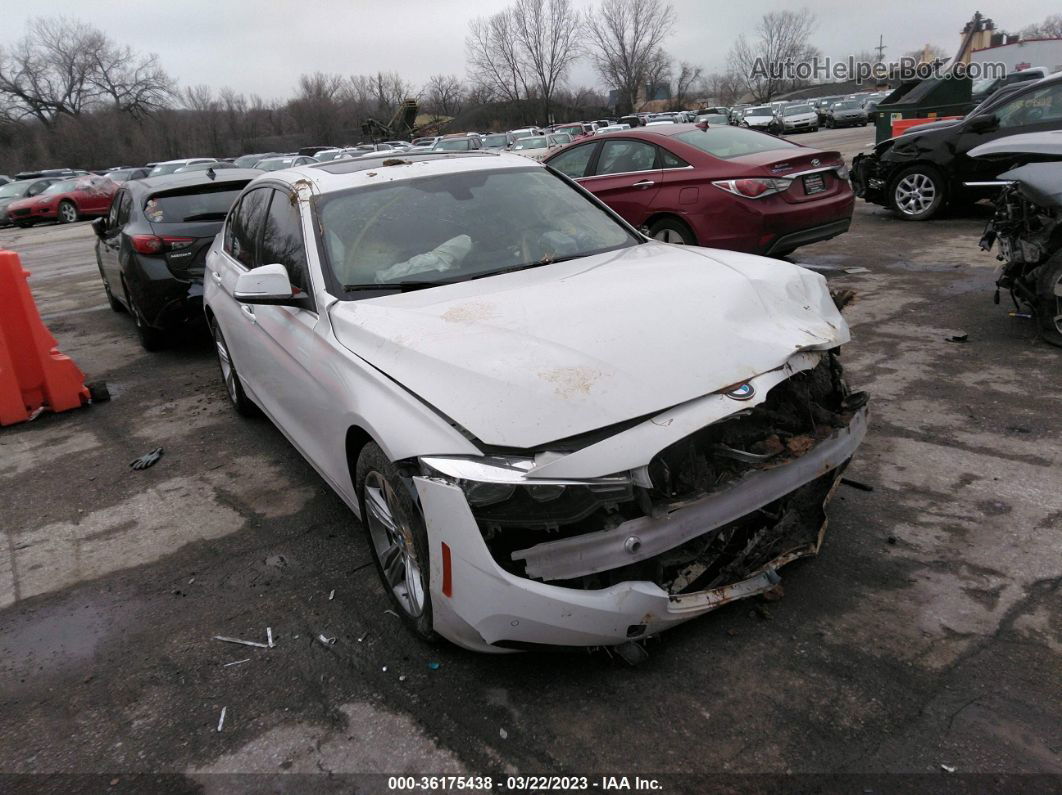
column 554, row 430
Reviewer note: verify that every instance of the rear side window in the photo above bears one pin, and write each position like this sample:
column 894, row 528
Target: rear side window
column 241, row 237
column 124, row 202
column 623, row 157
column 728, row 142
column 282, row 240
column 573, row 162
column 671, row 161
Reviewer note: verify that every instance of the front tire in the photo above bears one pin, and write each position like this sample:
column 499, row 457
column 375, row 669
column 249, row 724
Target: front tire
column 1049, row 303
column 398, row 538
column 233, row 385
column 67, row 212
column 672, row 230
column 917, row 193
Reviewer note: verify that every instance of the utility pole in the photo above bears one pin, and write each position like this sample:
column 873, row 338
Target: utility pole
column 881, row 48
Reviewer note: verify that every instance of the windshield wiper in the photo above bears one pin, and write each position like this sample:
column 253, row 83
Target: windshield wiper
column 401, row 287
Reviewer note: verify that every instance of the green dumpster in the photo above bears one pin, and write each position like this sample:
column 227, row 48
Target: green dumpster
column 931, row 98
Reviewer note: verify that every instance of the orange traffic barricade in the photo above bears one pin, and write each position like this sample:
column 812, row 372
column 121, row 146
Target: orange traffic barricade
column 34, row 376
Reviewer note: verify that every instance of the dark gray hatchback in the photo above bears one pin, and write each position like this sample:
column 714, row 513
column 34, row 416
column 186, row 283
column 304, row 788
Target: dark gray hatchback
column 152, row 244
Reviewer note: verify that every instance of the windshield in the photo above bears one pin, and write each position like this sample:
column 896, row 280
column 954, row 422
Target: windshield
column 164, row 168
column 795, row 109
column 14, row 189
column 574, row 129
column 63, row 186
column 531, row 143
column 275, row 163
column 850, row 104
column 522, row 134
column 453, row 145
column 206, row 203
column 496, row 140
column 468, row 225
column 728, row 142
column 763, row 111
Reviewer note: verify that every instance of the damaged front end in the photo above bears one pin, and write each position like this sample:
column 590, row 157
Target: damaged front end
column 707, row 520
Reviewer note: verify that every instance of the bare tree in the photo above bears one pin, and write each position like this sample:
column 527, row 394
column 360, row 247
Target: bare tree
column 64, row 67
column 493, row 55
column 624, row 37
column 316, row 107
column 782, row 38
column 688, row 82
column 443, row 95
column 1050, row 28
column 547, row 36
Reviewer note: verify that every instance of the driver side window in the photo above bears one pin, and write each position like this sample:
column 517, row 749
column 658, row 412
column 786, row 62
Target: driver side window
column 1035, row 107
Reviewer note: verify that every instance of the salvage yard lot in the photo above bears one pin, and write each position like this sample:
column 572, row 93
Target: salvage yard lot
column 927, row 633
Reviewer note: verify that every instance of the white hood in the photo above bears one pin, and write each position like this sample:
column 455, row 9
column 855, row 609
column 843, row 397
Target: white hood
column 531, row 357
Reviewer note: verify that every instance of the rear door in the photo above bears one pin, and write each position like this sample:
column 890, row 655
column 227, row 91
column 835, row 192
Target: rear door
column 110, row 242
column 626, row 176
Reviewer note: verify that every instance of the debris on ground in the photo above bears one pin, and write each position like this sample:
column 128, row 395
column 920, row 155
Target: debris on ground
column 327, row 640
column 402, row 678
column 891, row 539
column 392, row 612
column 961, row 337
column 855, row 484
column 434, row 666
column 364, row 636
column 269, row 636
column 147, row 459
column 254, row 643
column 842, row 298
column 332, row 595
column 503, row 734
column 857, row 269
column 98, row 391
column 947, row 768
column 236, row 662
column 221, row 720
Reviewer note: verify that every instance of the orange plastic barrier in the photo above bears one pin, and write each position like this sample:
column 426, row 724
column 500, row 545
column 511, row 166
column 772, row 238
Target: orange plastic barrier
column 900, row 126
column 33, row 374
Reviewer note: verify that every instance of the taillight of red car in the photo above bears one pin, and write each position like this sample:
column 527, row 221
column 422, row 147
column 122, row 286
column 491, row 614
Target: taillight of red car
column 155, row 244
column 754, row 187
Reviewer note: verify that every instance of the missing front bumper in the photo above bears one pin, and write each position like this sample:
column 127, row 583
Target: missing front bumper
column 644, row 538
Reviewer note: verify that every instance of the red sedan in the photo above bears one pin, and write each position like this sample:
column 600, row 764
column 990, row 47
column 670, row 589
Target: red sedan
column 722, row 187
column 65, row 201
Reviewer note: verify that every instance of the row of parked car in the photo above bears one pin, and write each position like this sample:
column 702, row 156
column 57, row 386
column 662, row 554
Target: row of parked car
column 541, row 449
column 807, row 115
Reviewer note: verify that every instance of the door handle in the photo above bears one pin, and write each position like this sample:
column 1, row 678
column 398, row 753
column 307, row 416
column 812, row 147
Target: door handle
column 248, row 313
column 643, row 184
column 216, row 277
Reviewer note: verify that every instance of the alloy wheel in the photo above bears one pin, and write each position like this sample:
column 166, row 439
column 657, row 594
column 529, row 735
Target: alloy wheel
column 67, row 213
column 228, row 373
column 915, row 193
column 392, row 539
column 669, row 236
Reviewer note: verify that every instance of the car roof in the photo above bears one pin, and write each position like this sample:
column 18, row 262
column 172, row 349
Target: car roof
column 342, row 174
column 192, row 178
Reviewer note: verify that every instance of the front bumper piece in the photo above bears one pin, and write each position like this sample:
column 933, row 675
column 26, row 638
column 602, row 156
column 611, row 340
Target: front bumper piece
column 489, row 609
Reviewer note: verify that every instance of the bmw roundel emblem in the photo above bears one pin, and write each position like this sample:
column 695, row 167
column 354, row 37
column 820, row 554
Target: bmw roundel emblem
column 742, row 392
column 815, row 162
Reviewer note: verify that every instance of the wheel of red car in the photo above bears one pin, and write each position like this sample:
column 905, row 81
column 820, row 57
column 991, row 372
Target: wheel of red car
column 398, row 538
column 672, row 230
column 67, row 212
column 917, row 192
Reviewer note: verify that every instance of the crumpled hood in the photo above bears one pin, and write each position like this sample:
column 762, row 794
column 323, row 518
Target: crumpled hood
column 531, row 357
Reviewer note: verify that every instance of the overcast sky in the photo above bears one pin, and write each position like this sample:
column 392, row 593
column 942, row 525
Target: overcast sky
column 262, row 46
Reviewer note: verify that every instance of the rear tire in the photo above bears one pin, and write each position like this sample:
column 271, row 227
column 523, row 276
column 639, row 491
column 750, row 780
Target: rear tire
column 917, row 192
column 229, row 377
column 151, row 338
column 672, row 230
column 398, row 539
column 1049, row 303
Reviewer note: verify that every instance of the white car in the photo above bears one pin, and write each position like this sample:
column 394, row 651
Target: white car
column 612, row 128
column 170, row 166
column 758, row 118
column 798, row 118
column 553, row 429
column 537, row 147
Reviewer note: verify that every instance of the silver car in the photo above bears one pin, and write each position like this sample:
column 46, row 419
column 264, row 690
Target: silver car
column 798, row 118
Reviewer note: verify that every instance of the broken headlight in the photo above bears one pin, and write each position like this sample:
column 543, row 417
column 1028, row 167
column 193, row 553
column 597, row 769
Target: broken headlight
column 489, row 481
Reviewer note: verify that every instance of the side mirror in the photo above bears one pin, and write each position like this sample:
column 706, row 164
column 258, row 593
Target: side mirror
column 268, row 284
column 99, row 226
column 984, row 123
